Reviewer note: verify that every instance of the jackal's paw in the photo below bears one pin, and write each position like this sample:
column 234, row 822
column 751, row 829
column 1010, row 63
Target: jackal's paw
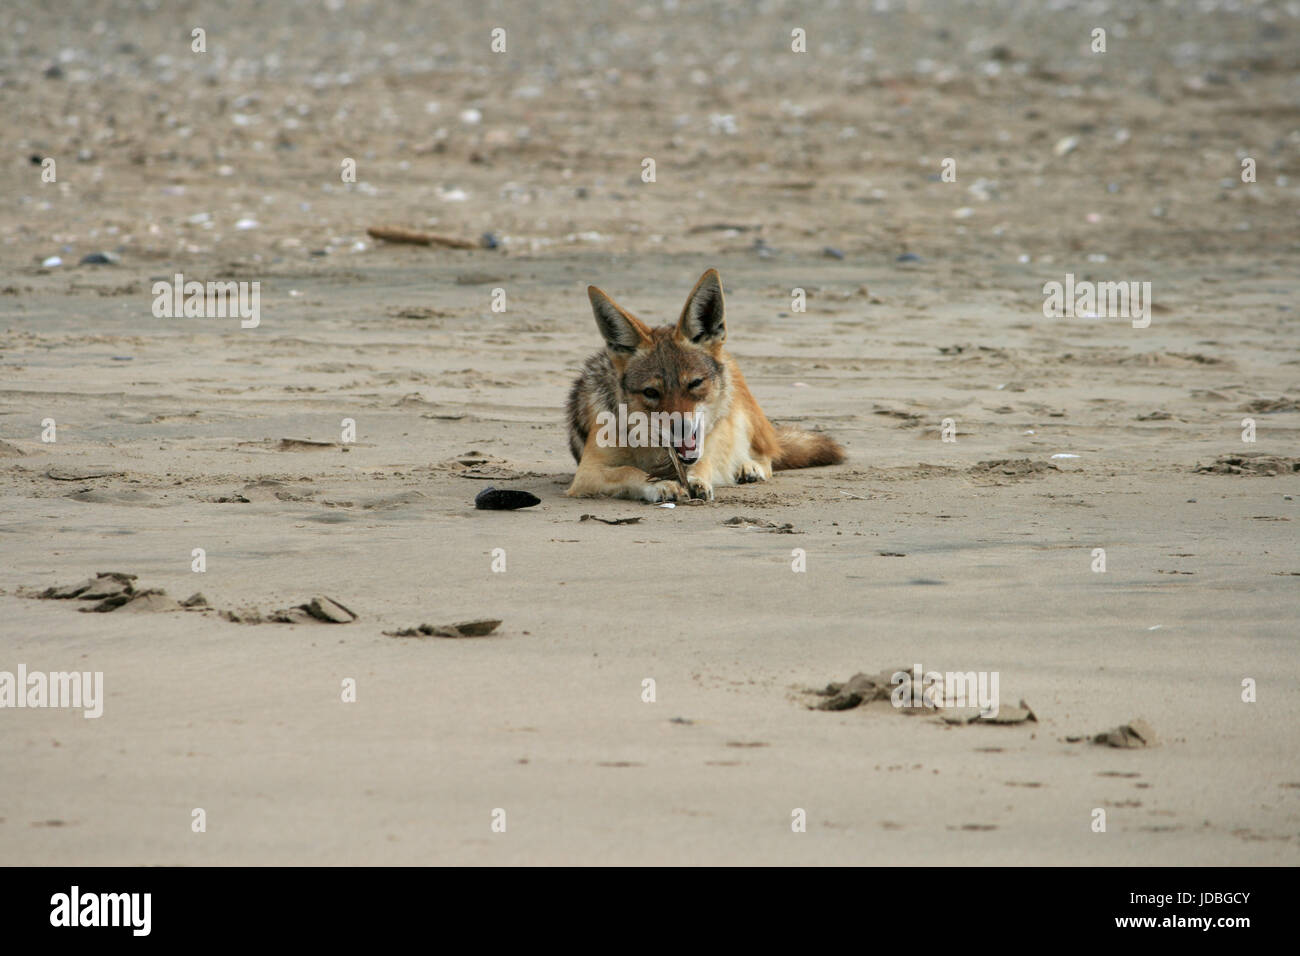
column 750, row 472
column 656, row 491
column 700, row 488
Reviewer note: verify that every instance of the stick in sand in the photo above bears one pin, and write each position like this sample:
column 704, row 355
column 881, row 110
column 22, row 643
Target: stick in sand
column 680, row 469
column 398, row 234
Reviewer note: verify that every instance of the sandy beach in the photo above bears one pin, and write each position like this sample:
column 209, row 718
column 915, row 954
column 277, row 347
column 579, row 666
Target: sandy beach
column 820, row 171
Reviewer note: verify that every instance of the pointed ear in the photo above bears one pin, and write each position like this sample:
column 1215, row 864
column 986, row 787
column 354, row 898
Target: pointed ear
column 703, row 319
column 622, row 332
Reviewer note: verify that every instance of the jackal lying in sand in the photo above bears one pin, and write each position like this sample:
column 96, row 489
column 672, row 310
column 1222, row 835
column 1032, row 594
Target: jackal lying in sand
column 679, row 376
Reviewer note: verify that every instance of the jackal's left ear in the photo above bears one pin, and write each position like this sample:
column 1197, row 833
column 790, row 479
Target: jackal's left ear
column 703, row 319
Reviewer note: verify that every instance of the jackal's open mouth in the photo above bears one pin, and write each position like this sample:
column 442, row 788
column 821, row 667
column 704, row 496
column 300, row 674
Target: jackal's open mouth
column 688, row 449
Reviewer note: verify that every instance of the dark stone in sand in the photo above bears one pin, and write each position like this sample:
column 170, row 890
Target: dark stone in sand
column 504, row 499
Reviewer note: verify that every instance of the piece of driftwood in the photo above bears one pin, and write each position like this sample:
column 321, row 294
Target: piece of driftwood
column 679, row 468
column 415, row 237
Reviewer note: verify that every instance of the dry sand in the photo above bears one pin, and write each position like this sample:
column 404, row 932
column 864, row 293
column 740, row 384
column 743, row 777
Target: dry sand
column 160, row 152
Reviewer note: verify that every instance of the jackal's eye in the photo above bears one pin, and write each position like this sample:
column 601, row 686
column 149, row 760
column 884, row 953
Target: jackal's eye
column 650, row 393
column 696, row 383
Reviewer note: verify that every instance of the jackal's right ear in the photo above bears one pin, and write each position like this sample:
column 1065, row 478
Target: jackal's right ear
column 622, row 332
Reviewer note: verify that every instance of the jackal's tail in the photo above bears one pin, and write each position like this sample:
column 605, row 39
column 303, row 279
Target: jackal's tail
column 804, row 449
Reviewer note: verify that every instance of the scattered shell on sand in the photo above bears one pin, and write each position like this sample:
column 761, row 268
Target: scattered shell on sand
column 477, row 628
column 1133, row 735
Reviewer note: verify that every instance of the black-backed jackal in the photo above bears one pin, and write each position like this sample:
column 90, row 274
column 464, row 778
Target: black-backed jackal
column 679, row 387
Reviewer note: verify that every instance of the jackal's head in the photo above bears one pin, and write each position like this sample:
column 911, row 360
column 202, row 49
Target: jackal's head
column 672, row 369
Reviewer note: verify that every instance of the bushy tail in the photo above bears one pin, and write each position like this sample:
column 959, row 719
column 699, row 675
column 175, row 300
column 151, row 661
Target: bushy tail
column 804, row 449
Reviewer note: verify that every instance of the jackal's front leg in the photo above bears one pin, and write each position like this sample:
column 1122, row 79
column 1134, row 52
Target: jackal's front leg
column 753, row 469
column 699, row 480
column 604, row 472
column 623, row 481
